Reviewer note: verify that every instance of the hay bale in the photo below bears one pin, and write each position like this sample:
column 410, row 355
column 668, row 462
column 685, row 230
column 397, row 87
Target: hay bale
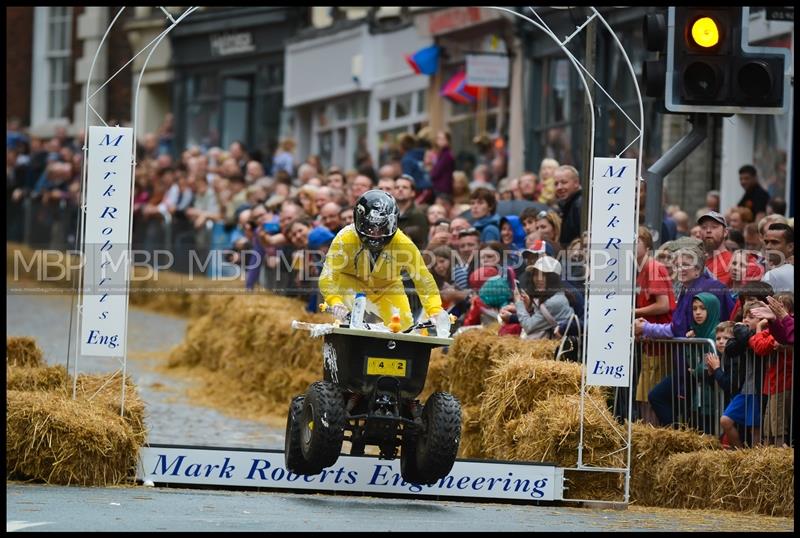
column 23, row 351
column 476, row 352
column 438, row 378
column 756, row 480
column 106, row 391
column 259, row 360
column 651, row 447
column 471, row 444
column 64, row 441
column 516, row 384
column 550, row 433
column 37, row 378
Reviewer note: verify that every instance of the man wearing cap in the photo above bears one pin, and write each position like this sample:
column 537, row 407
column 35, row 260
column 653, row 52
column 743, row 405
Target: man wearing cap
column 718, row 257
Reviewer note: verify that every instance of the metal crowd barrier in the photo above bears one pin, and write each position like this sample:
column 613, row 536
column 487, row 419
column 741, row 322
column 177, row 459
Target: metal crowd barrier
column 673, row 385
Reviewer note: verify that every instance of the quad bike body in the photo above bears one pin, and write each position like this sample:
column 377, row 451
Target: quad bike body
column 368, row 396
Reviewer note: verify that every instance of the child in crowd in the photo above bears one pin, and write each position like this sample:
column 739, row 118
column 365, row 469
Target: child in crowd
column 705, row 318
column 730, row 377
column 745, row 407
column 778, row 377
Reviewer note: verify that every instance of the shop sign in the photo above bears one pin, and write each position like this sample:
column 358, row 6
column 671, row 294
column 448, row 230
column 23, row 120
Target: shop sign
column 487, row 70
column 228, row 43
column 449, row 20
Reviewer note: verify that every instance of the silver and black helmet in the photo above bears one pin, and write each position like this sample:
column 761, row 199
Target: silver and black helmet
column 375, row 218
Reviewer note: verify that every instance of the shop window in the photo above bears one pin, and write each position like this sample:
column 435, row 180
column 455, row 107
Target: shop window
column 202, row 129
column 408, row 115
column 386, row 109
column 402, row 105
column 51, row 66
column 337, row 128
column 236, row 109
column 421, row 101
column 769, row 152
column 325, row 148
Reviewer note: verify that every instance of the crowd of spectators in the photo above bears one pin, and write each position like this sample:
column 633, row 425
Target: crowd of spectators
column 507, row 250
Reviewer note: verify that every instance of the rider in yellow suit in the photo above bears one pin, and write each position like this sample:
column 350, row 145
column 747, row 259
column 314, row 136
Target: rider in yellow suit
column 368, row 256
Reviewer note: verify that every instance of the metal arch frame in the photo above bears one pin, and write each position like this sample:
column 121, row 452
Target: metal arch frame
column 640, row 127
column 84, row 180
column 543, row 26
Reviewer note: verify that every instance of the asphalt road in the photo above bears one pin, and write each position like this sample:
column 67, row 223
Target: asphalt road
column 56, row 508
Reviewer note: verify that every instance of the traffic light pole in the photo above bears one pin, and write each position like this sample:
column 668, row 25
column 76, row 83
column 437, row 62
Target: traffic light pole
column 672, row 158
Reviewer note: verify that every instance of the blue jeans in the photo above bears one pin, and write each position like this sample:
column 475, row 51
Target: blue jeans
column 661, row 398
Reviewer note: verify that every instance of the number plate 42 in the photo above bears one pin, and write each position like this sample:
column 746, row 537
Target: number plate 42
column 390, row 367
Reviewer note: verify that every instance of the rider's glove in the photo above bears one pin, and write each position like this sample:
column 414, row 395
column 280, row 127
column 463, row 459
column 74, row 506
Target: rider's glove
column 340, row 312
column 442, row 323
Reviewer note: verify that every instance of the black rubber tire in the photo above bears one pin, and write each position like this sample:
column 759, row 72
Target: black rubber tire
column 430, row 456
column 295, row 462
column 322, row 423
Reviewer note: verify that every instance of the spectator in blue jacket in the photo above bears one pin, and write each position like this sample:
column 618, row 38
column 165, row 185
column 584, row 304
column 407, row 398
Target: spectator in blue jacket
column 482, row 215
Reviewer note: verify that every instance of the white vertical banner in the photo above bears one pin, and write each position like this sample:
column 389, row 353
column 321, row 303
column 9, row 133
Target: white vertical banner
column 105, row 241
column 612, row 272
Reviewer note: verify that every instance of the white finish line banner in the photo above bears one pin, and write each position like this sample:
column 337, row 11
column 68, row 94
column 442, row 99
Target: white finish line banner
column 105, row 247
column 612, row 272
column 357, row 474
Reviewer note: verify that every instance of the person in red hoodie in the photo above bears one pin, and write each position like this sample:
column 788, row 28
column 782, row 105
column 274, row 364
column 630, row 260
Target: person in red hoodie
column 779, row 323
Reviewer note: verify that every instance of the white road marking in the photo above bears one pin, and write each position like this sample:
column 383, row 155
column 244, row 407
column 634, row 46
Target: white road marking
column 12, row 526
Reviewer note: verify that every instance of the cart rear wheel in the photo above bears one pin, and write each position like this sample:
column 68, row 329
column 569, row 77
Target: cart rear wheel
column 295, row 462
column 430, row 455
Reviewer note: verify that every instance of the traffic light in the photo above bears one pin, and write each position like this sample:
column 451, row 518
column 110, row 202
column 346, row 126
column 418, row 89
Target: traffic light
column 654, row 71
column 707, row 66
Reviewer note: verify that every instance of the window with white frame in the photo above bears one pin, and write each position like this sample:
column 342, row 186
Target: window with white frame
column 401, row 113
column 52, row 63
column 339, row 131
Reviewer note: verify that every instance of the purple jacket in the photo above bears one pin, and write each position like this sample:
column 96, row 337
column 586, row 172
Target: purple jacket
column 783, row 330
column 682, row 319
column 682, row 315
column 442, row 172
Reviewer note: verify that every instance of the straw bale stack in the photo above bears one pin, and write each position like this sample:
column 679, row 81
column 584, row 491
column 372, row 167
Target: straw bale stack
column 651, row 448
column 37, row 378
column 438, row 378
column 260, row 361
column 105, row 390
column 550, row 433
column 60, row 440
column 515, row 386
column 22, row 351
column 476, row 352
column 471, row 444
column 757, row 480
column 64, row 441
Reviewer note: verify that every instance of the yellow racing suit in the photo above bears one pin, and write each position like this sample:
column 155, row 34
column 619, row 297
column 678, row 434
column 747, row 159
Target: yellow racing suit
column 349, row 269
